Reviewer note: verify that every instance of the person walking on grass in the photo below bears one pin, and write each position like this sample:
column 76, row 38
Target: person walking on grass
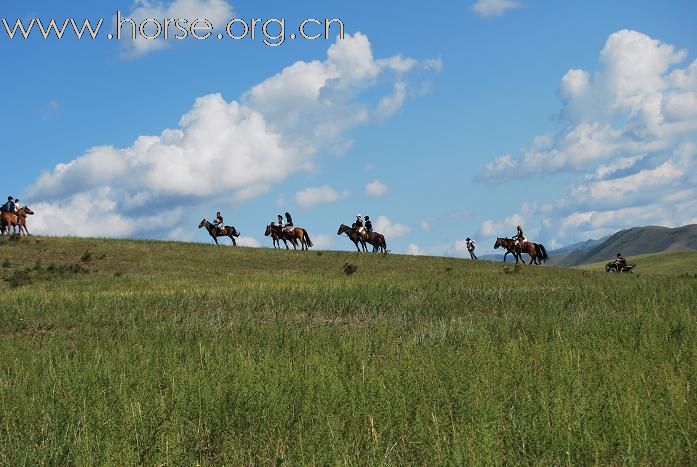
column 470, row 248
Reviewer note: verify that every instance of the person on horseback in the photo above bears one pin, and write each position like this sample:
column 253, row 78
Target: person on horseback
column 358, row 225
column 18, row 206
column 470, row 248
column 219, row 223
column 519, row 237
column 9, row 206
column 289, row 222
column 280, row 222
column 368, row 224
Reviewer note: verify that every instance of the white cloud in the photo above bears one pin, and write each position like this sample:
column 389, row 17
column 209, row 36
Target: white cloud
column 635, row 105
column 249, row 242
column 488, row 8
column 415, row 250
column 390, row 230
column 325, row 194
column 234, row 149
column 425, row 226
column 323, row 242
column 218, row 12
column 376, row 189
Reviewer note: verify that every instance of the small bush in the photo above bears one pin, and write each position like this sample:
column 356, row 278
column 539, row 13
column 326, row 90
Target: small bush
column 86, row 256
column 350, row 269
column 19, row 278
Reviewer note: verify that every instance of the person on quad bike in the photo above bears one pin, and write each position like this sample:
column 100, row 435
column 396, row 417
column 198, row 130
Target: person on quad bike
column 620, row 261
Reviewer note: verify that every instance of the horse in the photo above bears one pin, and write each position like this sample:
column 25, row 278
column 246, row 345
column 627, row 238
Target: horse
column 15, row 220
column 293, row 235
column 276, row 236
column 537, row 252
column 354, row 236
column 216, row 232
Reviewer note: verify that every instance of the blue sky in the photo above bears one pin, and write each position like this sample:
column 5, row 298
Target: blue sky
column 457, row 119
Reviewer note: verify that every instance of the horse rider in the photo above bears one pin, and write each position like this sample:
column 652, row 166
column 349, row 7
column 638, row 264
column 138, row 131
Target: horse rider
column 620, row 261
column 358, row 225
column 470, row 248
column 520, row 238
column 289, row 222
column 219, row 223
column 9, row 206
column 281, row 225
column 18, row 206
column 368, row 225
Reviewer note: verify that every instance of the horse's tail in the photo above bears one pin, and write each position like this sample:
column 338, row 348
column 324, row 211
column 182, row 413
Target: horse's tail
column 308, row 242
column 542, row 252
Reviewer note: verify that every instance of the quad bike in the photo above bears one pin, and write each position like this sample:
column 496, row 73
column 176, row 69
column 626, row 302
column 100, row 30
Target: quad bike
column 614, row 267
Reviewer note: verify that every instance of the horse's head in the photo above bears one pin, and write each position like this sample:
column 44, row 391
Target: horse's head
column 204, row 223
column 28, row 211
column 342, row 229
column 268, row 231
column 499, row 242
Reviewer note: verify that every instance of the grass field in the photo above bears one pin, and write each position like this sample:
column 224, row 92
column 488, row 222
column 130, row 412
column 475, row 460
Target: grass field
column 123, row 352
column 674, row 263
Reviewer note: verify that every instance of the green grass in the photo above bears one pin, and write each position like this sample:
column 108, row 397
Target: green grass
column 168, row 353
column 674, row 263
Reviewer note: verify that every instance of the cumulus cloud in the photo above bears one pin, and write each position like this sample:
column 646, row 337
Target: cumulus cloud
column 487, row 8
column 376, row 189
column 218, row 12
column 389, row 229
column 235, row 149
column 325, row 194
column 414, row 250
column 629, row 137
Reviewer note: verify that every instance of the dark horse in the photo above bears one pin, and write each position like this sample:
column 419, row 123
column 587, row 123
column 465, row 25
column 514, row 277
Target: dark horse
column 18, row 220
column 216, row 232
column 377, row 240
column 537, row 252
column 294, row 235
column 354, row 236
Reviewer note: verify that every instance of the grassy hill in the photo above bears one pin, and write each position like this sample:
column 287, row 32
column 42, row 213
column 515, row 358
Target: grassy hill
column 636, row 241
column 124, row 352
column 676, row 263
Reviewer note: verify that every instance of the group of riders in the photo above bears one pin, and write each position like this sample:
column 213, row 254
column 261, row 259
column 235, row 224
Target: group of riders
column 13, row 215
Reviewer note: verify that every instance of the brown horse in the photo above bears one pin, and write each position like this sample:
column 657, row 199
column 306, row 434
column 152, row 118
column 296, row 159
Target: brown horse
column 292, row 235
column 378, row 241
column 354, row 236
column 16, row 221
column 537, row 251
column 216, row 232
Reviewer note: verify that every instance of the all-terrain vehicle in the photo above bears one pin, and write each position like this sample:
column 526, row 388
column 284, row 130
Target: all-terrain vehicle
column 613, row 266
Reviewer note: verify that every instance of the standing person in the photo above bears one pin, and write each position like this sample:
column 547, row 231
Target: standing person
column 470, row 248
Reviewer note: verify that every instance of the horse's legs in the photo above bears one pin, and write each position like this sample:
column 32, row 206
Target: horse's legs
column 357, row 248
column 504, row 256
column 215, row 240
column 234, row 243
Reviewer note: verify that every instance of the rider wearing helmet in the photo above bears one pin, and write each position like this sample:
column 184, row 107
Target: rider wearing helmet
column 620, row 261
column 289, row 222
column 359, row 224
column 368, row 224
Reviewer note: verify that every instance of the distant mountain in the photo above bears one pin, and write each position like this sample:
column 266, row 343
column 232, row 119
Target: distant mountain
column 635, row 241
